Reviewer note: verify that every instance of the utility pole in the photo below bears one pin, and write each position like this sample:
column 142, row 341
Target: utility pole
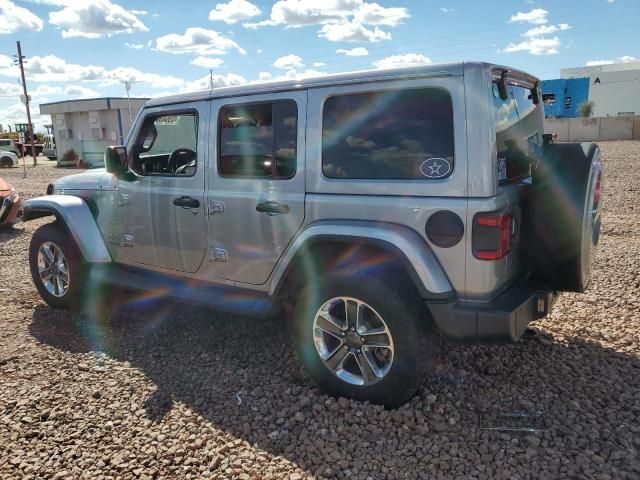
column 26, row 102
column 211, row 79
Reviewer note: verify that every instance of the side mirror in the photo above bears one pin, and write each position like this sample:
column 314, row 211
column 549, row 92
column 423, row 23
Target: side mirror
column 116, row 160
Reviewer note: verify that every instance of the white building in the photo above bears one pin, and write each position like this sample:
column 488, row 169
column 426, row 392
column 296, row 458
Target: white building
column 614, row 89
column 88, row 126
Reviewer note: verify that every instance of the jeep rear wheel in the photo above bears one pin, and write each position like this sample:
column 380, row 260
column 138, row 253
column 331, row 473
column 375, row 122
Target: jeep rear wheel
column 363, row 338
column 56, row 266
column 6, row 162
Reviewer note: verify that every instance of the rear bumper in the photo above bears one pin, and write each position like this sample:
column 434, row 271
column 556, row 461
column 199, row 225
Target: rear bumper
column 504, row 318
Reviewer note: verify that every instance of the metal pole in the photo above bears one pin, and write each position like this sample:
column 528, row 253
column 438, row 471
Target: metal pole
column 26, row 102
column 127, row 87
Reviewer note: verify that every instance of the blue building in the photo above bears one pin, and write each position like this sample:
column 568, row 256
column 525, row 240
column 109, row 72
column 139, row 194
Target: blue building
column 562, row 96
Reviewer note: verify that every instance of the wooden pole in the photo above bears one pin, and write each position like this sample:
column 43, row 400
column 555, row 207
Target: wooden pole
column 26, row 102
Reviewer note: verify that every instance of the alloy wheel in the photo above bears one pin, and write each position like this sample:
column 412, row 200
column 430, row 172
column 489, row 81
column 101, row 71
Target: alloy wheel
column 353, row 341
column 53, row 269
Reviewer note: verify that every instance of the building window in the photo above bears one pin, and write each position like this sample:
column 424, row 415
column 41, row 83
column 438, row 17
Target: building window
column 549, row 98
column 391, row 134
column 258, row 140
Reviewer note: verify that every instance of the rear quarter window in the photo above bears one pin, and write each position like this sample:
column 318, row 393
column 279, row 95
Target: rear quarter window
column 392, row 134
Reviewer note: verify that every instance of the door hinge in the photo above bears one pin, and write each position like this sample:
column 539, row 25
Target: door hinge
column 218, row 255
column 215, row 207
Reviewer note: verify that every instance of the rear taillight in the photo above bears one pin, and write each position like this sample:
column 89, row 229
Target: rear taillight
column 492, row 235
column 598, row 192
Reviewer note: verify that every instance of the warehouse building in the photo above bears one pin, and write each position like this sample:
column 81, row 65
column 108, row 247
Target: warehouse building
column 562, row 96
column 88, row 126
column 614, row 90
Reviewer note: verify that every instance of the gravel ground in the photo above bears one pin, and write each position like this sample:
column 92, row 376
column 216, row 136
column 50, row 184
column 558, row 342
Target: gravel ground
column 163, row 390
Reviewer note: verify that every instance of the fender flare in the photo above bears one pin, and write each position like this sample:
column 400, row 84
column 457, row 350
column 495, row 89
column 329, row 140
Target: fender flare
column 410, row 249
column 74, row 213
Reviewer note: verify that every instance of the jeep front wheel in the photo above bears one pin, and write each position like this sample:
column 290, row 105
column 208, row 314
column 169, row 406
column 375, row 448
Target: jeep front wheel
column 363, row 338
column 56, row 266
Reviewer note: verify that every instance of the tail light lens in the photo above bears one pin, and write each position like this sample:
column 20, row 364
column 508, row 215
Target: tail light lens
column 492, row 235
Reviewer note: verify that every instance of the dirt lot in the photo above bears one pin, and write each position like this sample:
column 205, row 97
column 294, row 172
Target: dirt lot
column 164, row 390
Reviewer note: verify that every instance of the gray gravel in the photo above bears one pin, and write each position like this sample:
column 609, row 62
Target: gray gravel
column 161, row 390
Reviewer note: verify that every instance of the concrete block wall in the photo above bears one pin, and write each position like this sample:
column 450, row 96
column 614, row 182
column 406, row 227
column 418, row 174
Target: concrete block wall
column 594, row 129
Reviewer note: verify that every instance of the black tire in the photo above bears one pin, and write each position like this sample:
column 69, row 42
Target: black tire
column 408, row 323
column 565, row 219
column 6, row 162
column 57, row 235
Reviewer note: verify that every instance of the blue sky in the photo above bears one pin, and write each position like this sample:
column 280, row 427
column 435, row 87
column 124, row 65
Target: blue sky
column 86, row 48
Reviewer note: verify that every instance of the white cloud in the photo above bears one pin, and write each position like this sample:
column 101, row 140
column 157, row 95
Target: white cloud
column 80, row 92
column 197, row 40
column 622, row 59
column 9, row 90
column 447, row 10
column 354, row 52
column 406, row 60
column 207, row 62
column 47, row 90
column 352, row 32
column 54, row 69
column 291, row 74
column 319, row 64
column 536, row 46
column 234, row 11
column 375, row 14
column 288, row 62
column 139, row 12
column 537, row 16
column 94, row 19
column 546, row 29
column 203, row 83
column 13, row 18
column 341, row 20
column 135, row 46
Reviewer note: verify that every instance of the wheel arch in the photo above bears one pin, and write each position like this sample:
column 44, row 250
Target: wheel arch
column 76, row 217
column 363, row 246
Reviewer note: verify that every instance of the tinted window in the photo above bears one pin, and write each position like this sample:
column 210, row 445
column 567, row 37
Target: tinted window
column 166, row 145
column 258, row 140
column 517, row 132
column 401, row 134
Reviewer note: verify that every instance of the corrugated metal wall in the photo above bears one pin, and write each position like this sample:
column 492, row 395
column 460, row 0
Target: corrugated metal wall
column 568, row 94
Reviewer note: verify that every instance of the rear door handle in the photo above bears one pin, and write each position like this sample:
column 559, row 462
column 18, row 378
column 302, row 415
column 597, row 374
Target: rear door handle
column 186, row 202
column 272, row 208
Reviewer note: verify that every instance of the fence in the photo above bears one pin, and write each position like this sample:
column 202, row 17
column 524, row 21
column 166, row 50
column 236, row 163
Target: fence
column 594, row 129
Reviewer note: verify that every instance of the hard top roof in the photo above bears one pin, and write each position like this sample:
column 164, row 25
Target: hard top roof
column 436, row 70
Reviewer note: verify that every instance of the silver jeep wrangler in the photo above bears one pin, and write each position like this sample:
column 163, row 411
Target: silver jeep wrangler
column 383, row 206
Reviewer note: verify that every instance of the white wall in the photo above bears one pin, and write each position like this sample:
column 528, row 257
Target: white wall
column 615, row 92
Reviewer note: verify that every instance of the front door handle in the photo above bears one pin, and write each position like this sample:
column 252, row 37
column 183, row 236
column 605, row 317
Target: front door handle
column 186, row 202
column 272, row 208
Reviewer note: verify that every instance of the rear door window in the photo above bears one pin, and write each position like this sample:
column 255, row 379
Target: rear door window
column 518, row 132
column 391, row 134
column 258, row 140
